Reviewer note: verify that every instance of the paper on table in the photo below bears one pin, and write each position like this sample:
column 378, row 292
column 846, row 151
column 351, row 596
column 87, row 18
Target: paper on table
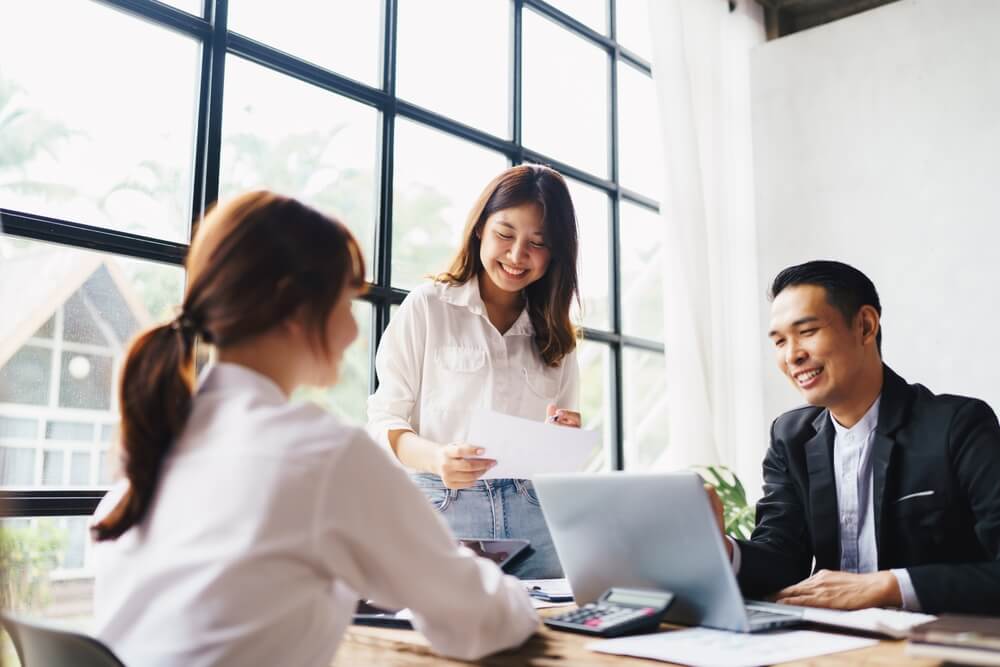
column 717, row 648
column 891, row 622
column 550, row 586
column 523, row 448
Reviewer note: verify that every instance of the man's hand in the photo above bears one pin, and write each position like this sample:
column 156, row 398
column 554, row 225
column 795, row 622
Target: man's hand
column 844, row 590
column 455, row 467
column 720, row 519
column 556, row 415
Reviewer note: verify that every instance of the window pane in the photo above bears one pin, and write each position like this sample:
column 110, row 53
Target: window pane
column 437, row 180
column 81, row 327
column 640, row 145
column 103, row 134
column 565, row 95
column 26, row 375
column 18, row 429
column 189, row 6
column 302, row 141
column 122, row 296
column 595, row 406
column 349, row 397
column 592, row 209
column 76, row 431
column 448, row 41
column 339, row 36
column 645, row 401
column 632, row 24
column 17, row 466
column 52, row 467
column 592, row 13
column 48, row 569
column 642, row 272
column 85, row 381
column 79, row 469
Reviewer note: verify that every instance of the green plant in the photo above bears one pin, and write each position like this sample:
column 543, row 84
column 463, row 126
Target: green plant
column 27, row 554
column 737, row 513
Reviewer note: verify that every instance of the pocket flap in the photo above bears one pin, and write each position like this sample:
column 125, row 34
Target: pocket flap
column 460, row 359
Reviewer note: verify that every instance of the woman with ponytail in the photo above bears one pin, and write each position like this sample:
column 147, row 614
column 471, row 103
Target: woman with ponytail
column 246, row 529
column 493, row 331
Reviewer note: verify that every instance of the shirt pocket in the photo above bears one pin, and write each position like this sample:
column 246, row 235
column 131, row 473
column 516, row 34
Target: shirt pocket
column 457, row 359
column 542, row 384
column 458, row 379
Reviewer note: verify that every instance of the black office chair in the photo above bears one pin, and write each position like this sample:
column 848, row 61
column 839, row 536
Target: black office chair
column 43, row 646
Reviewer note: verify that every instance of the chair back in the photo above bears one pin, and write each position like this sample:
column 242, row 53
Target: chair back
column 40, row 645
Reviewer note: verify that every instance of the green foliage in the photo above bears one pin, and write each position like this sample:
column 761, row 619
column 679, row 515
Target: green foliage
column 737, row 513
column 25, row 135
column 27, row 554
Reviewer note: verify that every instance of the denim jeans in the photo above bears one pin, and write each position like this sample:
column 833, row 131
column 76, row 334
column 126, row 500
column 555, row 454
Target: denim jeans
column 497, row 508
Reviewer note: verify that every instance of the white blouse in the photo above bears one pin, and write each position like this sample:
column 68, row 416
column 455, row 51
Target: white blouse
column 270, row 521
column 441, row 357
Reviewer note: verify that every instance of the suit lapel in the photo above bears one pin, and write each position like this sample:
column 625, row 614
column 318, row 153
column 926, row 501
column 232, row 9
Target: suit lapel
column 823, row 493
column 892, row 412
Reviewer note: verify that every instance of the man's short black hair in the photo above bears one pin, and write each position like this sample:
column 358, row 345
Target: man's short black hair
column 847, row 289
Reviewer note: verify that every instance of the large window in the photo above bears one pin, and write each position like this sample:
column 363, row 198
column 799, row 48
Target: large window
column 121, row 121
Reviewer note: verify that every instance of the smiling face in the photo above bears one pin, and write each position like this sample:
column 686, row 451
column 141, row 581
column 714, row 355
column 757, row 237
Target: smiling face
column 513, row 249
column 828, row 359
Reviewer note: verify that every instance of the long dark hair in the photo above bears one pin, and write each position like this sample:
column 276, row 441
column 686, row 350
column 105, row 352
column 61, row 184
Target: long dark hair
column 549, row 298
column 255, row 261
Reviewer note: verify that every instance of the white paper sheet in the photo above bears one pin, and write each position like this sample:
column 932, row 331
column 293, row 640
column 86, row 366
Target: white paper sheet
column 550, row 586
column 890, row 622
column 703, row 647
column 523, row 448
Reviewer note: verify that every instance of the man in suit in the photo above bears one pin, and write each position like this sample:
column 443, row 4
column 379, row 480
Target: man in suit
column 893, row 490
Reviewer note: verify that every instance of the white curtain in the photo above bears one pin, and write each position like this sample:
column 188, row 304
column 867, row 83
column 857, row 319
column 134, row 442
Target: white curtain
column 713, row 334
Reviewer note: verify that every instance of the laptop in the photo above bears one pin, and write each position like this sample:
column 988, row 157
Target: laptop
column 653, row 531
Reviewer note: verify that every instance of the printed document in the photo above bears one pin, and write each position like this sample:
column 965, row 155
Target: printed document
column 704, row 647
column 890, row 622
column 523, row 447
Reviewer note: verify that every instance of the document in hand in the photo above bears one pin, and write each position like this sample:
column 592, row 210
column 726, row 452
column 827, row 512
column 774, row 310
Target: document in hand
column 718, row 648
column 523, row 448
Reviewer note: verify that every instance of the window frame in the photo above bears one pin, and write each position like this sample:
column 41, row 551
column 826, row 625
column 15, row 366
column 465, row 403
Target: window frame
column 218, row 42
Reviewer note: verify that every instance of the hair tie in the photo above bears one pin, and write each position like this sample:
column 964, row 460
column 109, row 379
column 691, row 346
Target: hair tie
column 185, row 326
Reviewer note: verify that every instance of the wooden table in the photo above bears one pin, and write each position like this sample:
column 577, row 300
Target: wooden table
column 364, row 645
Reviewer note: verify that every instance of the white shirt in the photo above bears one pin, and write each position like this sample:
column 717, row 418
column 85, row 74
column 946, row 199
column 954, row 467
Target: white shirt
column 852, row 467
column 441, row 357
column 270, row 521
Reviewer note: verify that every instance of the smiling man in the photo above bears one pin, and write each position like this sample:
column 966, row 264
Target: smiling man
column 885, row 493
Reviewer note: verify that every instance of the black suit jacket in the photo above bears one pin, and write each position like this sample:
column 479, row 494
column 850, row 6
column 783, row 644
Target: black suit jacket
column 949, row 539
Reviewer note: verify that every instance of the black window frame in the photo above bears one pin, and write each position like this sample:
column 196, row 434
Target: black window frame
column 218, row 42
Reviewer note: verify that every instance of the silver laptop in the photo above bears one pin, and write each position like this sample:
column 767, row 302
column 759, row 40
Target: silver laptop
column 649, row 531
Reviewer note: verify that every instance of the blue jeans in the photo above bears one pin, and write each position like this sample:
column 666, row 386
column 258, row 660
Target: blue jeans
column 497, row 508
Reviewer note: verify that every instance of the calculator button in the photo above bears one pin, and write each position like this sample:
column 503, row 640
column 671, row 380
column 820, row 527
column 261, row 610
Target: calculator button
column 594, row 622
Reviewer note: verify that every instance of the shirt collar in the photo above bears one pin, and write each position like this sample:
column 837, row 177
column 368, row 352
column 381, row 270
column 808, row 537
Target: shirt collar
column 466, row 295
column 865, row 425
column 232, row 378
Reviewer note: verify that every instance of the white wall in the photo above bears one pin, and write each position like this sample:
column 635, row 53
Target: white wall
column 877, row 142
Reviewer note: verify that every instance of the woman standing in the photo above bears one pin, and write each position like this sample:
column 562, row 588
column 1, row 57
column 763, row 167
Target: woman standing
column 493, row 331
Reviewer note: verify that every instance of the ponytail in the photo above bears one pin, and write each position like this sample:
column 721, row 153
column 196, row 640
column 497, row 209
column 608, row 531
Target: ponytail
column 254, row 262
column 154, row 399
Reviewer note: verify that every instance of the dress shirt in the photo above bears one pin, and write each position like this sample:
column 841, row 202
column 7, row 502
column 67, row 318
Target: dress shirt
column 852, row 465
column 441, row 357
column 271, row 519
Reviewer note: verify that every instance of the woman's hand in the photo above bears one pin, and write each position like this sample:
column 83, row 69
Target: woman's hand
column 554, row 415
column 456, row 467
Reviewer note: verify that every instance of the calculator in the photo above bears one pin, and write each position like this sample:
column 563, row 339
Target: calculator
column 618, row 611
